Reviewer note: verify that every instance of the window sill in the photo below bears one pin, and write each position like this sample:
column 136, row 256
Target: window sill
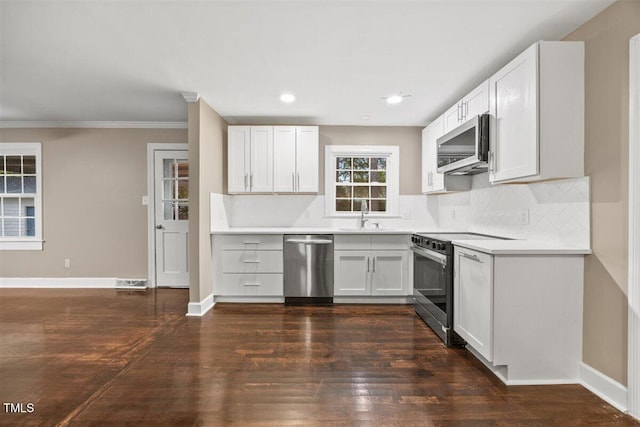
column 21, row 245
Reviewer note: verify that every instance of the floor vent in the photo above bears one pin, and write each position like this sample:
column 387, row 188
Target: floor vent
column 131, row 284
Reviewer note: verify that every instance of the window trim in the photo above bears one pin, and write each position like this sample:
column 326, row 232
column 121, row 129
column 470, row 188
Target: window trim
column 393, row 177
column 33, row 243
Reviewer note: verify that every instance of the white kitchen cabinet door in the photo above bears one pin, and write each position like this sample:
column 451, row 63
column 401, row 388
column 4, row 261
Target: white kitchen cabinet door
column 473, row 299
column 452, row 117
column 389, row 273
column 238, row 159
column 432, row 181
column 476, row 102
column 514, row 110
column 307, row 140
column 284, row 159
column 351, row 272
column 261, row 173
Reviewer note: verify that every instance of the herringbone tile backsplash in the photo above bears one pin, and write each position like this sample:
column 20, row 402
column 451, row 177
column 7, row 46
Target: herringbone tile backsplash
column 552, row 211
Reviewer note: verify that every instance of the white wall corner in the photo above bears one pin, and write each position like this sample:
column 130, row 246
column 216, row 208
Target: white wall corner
column 199, row 309
column 633, row 295
column 190, row 96
column 604, row 387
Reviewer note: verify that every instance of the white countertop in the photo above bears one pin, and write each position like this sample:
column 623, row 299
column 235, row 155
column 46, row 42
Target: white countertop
column 520, row 247
column 310, row 230
column 493, row 247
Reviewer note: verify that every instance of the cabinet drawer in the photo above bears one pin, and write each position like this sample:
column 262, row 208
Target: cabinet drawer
column 250, row 285
column 251, row 261
column 391, row 241
column 250, row 241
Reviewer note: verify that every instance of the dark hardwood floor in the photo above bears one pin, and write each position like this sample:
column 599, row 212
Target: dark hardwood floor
column 118, row 358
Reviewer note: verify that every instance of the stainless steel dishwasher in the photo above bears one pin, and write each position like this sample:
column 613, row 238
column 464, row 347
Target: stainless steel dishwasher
column 308, row 269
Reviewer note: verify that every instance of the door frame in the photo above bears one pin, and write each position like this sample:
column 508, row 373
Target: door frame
column 152, row 147
column 633, row 294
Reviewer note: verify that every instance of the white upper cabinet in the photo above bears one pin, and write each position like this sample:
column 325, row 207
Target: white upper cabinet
column 250, row 159
column 537, row 114
column 432, row 181
column 296, row 159
column 238, row 158
column 476, row 102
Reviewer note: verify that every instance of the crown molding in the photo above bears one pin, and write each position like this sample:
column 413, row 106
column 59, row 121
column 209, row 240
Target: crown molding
column 190, row 96
column 93, row 124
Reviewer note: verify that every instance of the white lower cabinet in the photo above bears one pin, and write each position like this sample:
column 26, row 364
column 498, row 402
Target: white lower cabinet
column 370, row 272
column 521, row 315
column 371, row 266
column 247, row 266
column 473, row 299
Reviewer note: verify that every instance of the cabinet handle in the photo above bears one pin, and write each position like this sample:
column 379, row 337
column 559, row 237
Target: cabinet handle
column 245, row 182
column 251, row 284
column 466, row 109
column 293, row 180
column 251, row 181
column 297, row 181
column 251, row 261
column 471, row 257
column 491, row 157
column 374, row 264
column 459, row 112
column 368, row 270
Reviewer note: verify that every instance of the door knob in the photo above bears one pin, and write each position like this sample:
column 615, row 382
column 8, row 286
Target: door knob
column 160, row 227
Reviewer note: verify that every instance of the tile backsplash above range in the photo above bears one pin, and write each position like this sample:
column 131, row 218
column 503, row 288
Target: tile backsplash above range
column 552, row 211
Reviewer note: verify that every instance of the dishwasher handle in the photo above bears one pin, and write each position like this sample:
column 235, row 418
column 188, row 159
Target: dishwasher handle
column 310, row 241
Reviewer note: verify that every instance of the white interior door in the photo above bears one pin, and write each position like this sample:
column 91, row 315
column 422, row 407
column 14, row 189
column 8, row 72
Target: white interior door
column 171, row 198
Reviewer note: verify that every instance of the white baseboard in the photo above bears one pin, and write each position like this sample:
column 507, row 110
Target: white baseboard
column 58, row 282
column 604, row 387
column 200, row 308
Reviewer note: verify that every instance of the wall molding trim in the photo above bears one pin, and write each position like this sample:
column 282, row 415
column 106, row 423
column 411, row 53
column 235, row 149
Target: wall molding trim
column 633, row 295
column 59, row 282
column 93, row 124
column 604, row 387
column 199, row 309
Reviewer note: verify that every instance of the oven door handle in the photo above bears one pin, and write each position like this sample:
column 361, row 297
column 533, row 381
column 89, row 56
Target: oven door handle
column 434, row 256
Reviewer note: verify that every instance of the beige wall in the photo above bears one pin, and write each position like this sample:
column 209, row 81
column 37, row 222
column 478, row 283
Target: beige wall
column 408, row 138
column 606, row 161
column 207, row 136
column 93, row 182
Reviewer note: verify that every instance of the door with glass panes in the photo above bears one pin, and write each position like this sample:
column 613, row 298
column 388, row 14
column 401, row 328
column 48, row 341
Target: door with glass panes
column 172, row 217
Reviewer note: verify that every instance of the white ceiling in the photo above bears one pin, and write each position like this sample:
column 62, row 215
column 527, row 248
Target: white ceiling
column 129, row 60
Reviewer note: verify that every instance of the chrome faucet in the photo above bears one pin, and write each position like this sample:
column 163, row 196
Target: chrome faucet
column 363, row 210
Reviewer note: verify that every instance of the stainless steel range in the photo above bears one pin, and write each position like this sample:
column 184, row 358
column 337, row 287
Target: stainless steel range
column 433, row 280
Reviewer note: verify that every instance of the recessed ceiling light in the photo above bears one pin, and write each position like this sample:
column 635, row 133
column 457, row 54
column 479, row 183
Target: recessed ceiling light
column 395, row 99
column 287, row 97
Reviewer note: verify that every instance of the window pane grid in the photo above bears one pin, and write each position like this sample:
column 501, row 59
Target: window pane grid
column 18, row 193
column 175, row 189
column 360, row 178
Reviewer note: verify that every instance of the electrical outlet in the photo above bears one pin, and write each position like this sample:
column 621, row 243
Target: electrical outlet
column 522, row 217
column 67, row 263
column 406, row 215
column 145, row 200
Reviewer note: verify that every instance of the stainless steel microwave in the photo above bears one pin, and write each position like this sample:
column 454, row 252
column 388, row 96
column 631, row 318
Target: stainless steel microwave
column 465, row 149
